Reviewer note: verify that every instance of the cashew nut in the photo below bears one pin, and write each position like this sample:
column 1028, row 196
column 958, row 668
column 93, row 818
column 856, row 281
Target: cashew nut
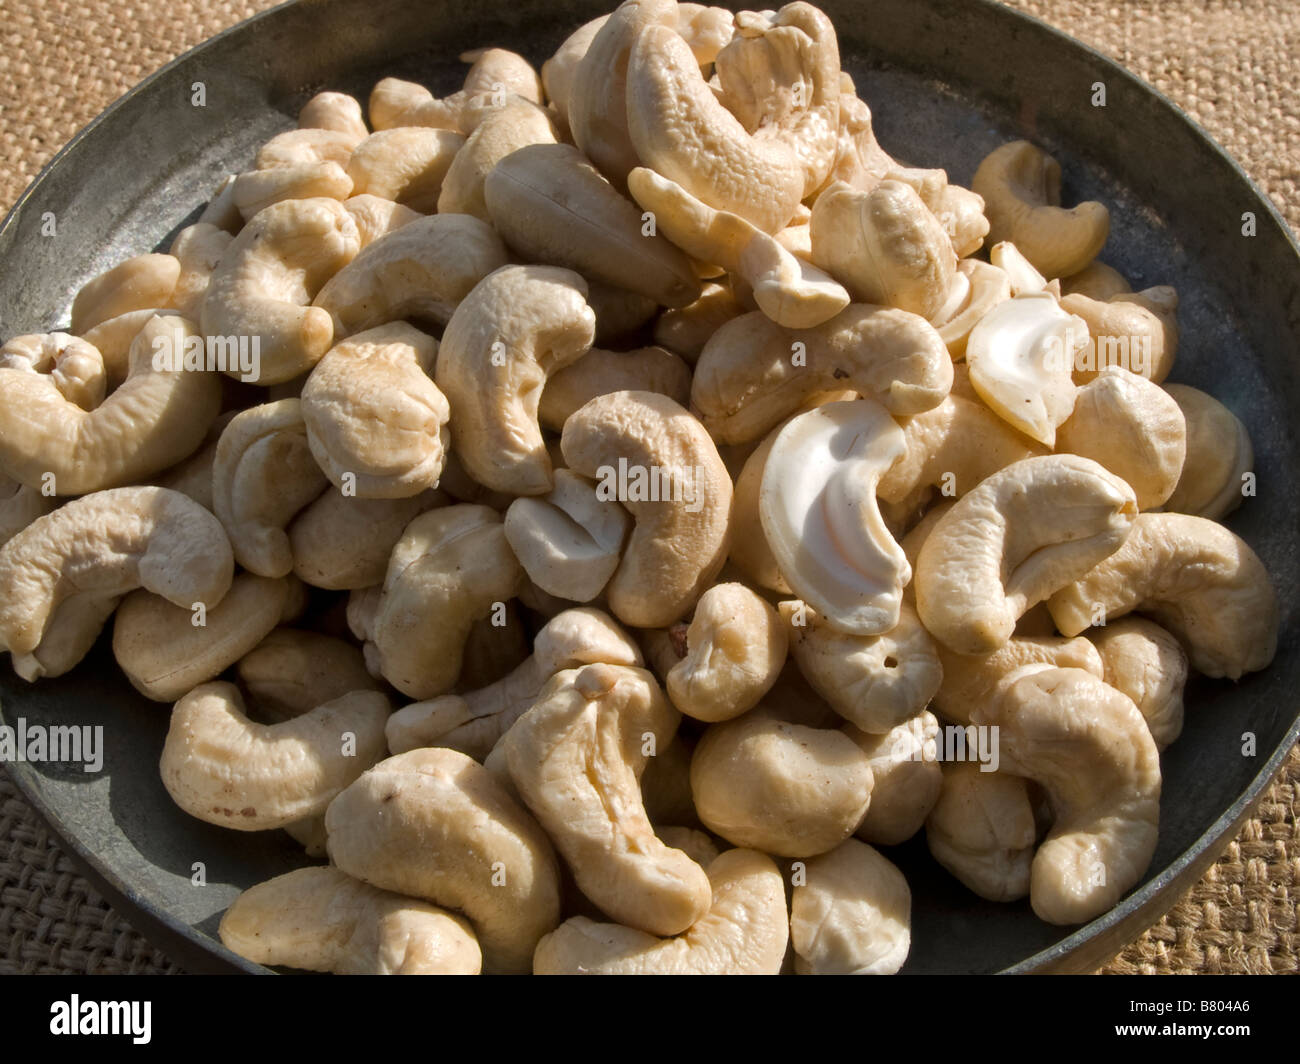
column 515, row 124
column 1146, row 663
column 291, row 672
column 341, row 542
column 599, row 372
column 906, row 777
column 406, row 165
column 137, row 284
column 335, row 111
column 1137, row 331
column 686, row 330
column 1219, row 456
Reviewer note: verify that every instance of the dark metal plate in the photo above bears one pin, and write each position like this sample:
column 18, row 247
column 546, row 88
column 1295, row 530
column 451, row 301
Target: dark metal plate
column 947, row 80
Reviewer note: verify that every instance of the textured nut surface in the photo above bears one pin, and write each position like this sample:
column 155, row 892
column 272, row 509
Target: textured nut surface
column 906, row 777
column 982, row 831
column 1145, row 662
column 1219, row 455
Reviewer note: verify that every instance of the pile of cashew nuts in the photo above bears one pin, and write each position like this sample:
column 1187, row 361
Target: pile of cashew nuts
column 626, row 658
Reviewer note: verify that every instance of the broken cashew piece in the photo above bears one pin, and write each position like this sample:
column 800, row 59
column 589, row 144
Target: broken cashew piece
column 576, row 759
column 745, row 932
column 324, row 921
column 1021, row 535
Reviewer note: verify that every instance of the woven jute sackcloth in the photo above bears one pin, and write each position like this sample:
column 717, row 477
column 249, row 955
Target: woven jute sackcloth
column 1232, row 66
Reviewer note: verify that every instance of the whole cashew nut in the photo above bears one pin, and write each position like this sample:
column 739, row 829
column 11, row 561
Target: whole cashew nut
column 906, row 778
column 599, row 372
column 1145, row 662
column 1219, row 456
column 136, row 284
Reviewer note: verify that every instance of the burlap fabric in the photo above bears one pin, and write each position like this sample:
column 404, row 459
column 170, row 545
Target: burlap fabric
column 1233, row 66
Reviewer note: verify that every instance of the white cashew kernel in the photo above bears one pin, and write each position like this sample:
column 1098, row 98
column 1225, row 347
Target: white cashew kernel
column 982, row 830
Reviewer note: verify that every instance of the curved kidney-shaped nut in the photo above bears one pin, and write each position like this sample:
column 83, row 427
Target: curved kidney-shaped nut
column 576, row 758
column 971, row 681
column 1133, row 428
column 569, row 541
column 74, row 366
column 263, row 474
column 745, row 932
column 377, row 217
column 1137, row 331
column 223, row 768
column 752, row 373
column 114, row 338
column 906, row 778
column 852, row 915
column 1021, row 359
column 516, row 124
column 1096, row 281
column 157, row 417
column 434, row 824
column 654, row 457
column 136, row 284
column 1021, row 186
column 264, row 284
column 789, row 290
column 1019, row 271
column 334, row 111
column 495, row 75
column 821, row 519
column 681, row 130
column 256, row 190
column 406, row 165
column 341, row 542
column 954, row 447
column 166, row 653
column 292, row 671
column 517, row 326
column 198, row 248
column 1193, row 577
column 982, row 830
column 551, row 205
column 447, row 571
column 473, row 723
column 1087, row 744
column 1022, row 534
column 1147, row 663
column 977, row 287
column 780, row 74
column 599, row 372
column 73, row 628
column 398, row 104
column 420, row 271
column 787, row 789
column 685, row 331
column 100, row 547
column 876, row 681
column 736, row 648
column 324, row 921
column 885, row 246
column 376, row 422
column 297, row 146
column 1219, row 455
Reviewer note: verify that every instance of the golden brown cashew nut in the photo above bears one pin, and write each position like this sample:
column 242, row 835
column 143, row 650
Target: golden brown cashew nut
column 1147, row 663
column 852, row 915
column 323, row 921
column 1021, row 186
column 680, row 129
column 434, row 824
column 789, row 290
column 1133, row 428
column 165, row 652
column 376, row 423
column 136, row 284
column 266, row 280
column 1088, row 745
column 876, row 681
column 982, row 830
column 576, row 758
column 517, row 326
column 1219, row 456
column 157, row 417
column 551, row 205
column 262, row 475
column 449, row 569
column 473, row 723
column 906, row 777
column 752, row 373
column 745, row 932
column 1193, row 577
column 681, row 507
column 818, row 508
column 223, row 768
column 735, row 650
column 420, row 271
column 885, row 246
column 99, row 547
column 792, row 790
column 1021, row 535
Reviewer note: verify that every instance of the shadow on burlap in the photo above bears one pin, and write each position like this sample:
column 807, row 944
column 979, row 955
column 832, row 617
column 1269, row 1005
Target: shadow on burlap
column 1231, row 66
